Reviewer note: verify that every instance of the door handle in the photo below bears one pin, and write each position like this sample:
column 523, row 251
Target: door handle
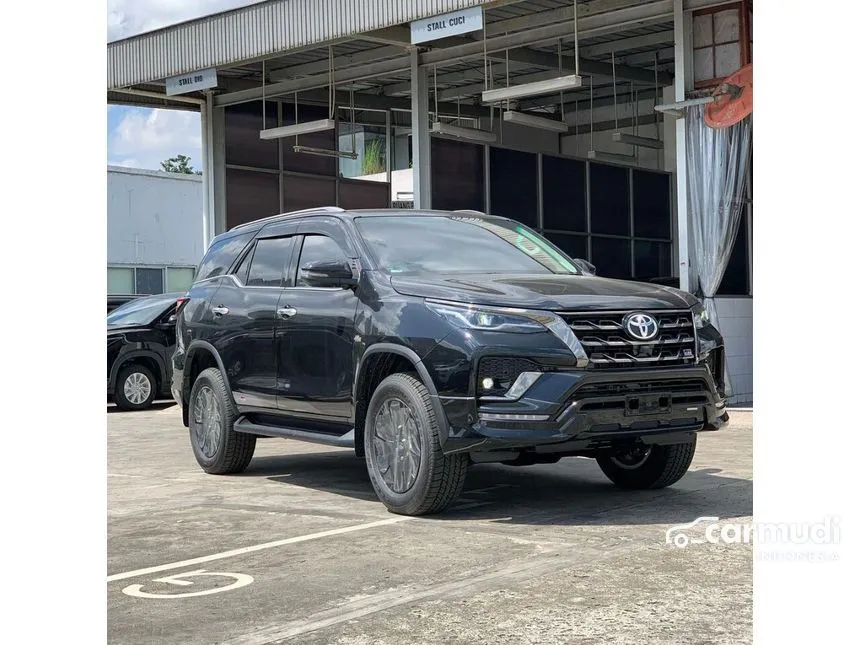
column 220, row 310
column 287, row 312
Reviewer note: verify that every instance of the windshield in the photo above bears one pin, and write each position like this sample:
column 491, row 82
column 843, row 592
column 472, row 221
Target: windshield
column 140, row 312
column 451, row 244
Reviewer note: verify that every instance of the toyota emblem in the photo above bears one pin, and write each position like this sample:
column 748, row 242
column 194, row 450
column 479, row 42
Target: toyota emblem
column 641, row 326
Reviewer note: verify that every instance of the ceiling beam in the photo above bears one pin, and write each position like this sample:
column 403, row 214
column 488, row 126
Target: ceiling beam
column 611, row 22
column 626, row 44
column 340, row 62
column 588, row 67
column 565, row 14
column 397, row 35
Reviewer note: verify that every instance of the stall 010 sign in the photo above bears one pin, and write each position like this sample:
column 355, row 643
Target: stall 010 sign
column 202, row 80
column 449, row 24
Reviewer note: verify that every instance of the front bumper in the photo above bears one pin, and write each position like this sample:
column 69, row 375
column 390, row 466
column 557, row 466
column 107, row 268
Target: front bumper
column 589, row 409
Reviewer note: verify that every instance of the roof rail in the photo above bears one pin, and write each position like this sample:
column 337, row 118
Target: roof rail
column 470, row 211
column 318, row 209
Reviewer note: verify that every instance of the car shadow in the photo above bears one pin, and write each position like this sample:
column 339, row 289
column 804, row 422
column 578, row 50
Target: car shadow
column 157, row 405
column 572, row 492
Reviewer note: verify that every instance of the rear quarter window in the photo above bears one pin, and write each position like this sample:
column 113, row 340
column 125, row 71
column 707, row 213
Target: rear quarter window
column 221, row 255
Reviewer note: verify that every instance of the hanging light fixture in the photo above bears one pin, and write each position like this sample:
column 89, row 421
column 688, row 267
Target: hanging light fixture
column 532, row 121
column 472, row 134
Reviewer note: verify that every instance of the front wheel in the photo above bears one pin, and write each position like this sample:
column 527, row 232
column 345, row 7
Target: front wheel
column 409, row 472
column 644, row 467
column 218, row 448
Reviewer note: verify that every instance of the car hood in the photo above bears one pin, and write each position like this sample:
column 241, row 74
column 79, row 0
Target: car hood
column 549, row 292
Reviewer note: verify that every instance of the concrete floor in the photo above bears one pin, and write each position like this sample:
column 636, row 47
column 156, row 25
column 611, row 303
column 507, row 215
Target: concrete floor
column 541, row 554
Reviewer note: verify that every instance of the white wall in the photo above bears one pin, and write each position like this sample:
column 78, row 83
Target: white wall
column 735, row 323
column 154, row 218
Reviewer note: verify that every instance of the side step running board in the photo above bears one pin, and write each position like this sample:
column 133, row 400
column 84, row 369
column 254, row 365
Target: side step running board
column 344, row 441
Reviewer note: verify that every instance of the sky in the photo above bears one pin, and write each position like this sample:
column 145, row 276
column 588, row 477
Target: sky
column 142, row 137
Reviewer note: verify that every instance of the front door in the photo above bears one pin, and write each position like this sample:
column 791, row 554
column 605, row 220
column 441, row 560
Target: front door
column 244, row 316
column 315, row 329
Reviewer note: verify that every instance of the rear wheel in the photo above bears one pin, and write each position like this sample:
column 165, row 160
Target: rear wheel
column 409, row 472
column 218, row 448
column 135, row 388
column 644, row 467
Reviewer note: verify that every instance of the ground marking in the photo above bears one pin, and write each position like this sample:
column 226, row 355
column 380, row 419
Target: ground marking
column 254, row 548
column 239, row 580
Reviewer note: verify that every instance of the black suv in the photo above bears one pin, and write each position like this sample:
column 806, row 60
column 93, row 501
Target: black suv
column 431, row 340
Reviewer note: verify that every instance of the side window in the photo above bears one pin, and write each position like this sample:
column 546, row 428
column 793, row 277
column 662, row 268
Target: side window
column 315, row 248
column 220, row 256
column 242, row 270
column 267, row 265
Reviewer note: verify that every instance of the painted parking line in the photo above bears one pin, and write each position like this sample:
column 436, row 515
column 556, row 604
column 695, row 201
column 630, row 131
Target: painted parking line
column 254, row 548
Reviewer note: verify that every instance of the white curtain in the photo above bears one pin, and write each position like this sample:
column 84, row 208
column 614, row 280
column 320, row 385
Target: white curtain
column 717, row 162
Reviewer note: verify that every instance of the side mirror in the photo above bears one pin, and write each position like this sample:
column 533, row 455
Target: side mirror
column 171, row 319
column 585, row 266
column 328, row 273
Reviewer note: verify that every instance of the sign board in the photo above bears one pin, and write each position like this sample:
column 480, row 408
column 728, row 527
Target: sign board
column 449, row 24
column 202, row 80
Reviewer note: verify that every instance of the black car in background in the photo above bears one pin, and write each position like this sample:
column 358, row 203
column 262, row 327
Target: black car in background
column 141, row 337
column 115, row 300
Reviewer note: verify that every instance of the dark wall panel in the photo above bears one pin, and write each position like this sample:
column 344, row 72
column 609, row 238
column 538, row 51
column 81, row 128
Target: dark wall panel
column 302, row 192
column 652, row 204
column 611, row 256
column 364, row 194
column 652, row 259
column 513, row 185
column 564, row 194
column 457, row 174
column 576, row 246
column 250, row 196
column 610, row 199
column 243, row 146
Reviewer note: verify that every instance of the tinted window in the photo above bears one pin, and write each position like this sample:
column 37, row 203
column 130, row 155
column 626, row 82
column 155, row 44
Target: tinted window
column 513, row 185
column 610, row 199
column 317, row 248
column 652, row 204
column 220, row 256
column 149, row 281
column 611, row 256
column 457, row 174
column 242, row 270
column 564, row 207
column 267, row 265
column 142, row 311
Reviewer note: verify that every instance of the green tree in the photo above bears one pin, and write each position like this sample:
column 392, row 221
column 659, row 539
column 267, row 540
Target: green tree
column 180, row 164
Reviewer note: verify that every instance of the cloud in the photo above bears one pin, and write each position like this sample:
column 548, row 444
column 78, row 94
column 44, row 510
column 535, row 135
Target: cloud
column 130, row 17
column 143, row 138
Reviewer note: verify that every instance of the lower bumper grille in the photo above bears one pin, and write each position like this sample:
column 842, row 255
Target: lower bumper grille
column 609, row 346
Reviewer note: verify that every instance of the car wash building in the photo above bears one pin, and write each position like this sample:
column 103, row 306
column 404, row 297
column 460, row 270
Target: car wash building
column 619, row 129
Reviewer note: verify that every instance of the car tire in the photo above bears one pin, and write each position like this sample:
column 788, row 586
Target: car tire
column 218, row 448
column 662, row 466
column 135, row 388
column 409, row 472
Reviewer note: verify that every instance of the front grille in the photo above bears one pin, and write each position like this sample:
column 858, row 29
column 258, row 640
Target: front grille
column 608, row 345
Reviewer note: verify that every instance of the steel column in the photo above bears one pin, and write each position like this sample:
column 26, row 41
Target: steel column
column 683, row 79
column 420, row 133
column 206, row 139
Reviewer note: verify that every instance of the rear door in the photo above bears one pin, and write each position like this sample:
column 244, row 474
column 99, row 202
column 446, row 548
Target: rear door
column 316, row 362
column 243, row 311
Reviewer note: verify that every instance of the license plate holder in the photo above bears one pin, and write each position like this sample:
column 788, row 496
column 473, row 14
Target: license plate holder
column 647, row 404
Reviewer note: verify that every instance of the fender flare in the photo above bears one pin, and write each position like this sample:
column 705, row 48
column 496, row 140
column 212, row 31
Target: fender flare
column 202, row 346
column 124, row 358
column 423, row 374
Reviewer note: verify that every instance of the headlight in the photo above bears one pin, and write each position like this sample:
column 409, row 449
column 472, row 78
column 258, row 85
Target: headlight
column 700, row 316
column 486, row 318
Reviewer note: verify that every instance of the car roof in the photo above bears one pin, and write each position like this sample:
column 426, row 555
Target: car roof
column 335, row 211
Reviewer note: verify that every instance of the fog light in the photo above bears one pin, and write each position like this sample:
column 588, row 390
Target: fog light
column 487, row 383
